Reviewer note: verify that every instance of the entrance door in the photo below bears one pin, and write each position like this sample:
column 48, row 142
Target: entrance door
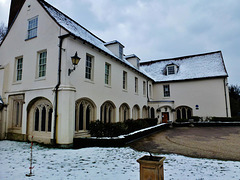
column 165, row 117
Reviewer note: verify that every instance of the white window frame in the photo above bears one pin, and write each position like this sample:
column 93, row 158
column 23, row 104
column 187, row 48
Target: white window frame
column 107, row 75
column 18, row 69
column 89, row 67
column 144, row 88
column 166, row 90
column 32, row 27
column 170, row 70
column 41, row 66
column 136, row 85
column 124, row 80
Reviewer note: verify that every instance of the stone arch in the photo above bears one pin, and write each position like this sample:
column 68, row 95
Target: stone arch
column 85, row 112
column 183, row 112
column 145, row 112
column 124, row 112
column 107, row 111
column 152, row 113
column 39, row 120
column 136, row 112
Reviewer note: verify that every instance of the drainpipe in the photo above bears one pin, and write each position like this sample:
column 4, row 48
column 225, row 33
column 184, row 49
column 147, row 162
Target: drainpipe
column 61, row 38
column 224, row 84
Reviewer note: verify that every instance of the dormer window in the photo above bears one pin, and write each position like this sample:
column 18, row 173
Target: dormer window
column 171, row 69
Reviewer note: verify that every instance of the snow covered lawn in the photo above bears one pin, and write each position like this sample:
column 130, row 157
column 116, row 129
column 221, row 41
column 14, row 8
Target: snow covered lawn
column 102, row 163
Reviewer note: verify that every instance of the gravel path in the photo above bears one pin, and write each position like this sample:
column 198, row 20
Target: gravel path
column 202, row 142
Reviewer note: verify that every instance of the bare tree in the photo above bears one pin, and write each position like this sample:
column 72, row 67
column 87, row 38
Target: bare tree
column 3, row 31
column 234, row 93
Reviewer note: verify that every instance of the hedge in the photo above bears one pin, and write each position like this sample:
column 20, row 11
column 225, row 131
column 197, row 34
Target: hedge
column 99, row 129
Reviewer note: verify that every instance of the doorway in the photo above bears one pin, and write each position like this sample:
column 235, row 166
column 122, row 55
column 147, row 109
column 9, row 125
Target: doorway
column 165, row 117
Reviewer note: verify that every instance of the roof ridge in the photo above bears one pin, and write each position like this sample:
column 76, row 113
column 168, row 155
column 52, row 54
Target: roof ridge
column 179, row 58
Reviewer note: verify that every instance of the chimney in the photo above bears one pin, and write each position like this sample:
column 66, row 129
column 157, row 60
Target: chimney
column 15, row 7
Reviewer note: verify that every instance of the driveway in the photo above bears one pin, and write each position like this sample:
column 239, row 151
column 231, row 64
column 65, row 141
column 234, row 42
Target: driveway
column 204, row 142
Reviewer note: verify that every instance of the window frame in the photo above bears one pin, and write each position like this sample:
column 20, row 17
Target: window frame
column 136, row 85
column 18, row 69
column 89, row 70
column 171, row 71
column 166, row 90
column 107, row 74
column 41, row 67
column 32, row 27
column 144, row 88
column 124, row 80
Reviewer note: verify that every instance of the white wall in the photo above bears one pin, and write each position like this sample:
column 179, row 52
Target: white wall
column 209, row 94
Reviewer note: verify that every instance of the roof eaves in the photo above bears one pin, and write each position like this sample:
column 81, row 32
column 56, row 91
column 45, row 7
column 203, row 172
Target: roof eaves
column 190, row 79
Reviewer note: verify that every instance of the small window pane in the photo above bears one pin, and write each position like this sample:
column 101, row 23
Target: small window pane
column 32, row 27
column 171, row 70
column 107, row 74
column 19, row 69
column 88, row 74
column 42, row 64
column 166, row 90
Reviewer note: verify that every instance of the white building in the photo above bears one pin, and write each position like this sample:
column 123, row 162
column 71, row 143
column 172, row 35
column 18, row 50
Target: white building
column 48, row 99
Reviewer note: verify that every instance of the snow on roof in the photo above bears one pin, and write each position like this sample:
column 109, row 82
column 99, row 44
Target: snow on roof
column 79, row 31
column 131, row 56
column 113, row 42
column 189, row 67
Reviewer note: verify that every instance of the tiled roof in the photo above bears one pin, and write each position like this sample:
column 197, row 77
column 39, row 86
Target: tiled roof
column 199, row 66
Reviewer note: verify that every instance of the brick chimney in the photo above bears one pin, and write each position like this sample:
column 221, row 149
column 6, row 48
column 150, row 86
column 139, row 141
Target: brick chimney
column 15, row 7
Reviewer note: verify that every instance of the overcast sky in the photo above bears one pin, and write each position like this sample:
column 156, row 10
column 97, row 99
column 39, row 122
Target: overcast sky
column 160, row 29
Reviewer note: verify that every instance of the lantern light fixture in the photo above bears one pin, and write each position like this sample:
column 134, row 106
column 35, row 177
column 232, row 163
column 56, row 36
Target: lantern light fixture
column 75, row 61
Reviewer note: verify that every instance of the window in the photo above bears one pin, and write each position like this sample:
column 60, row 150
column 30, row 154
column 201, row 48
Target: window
column 184, row 112
column 120, row 52
column 43, row 117
column 89, row 67
column 166, row 90
column 19, row 67
column 107, row 73
column 107, row 113
column 150, row 90
column 136, row 85
column 42, row 62
column 16, row 109
column 32, row 27
column 170, row 69
column 124, row 80
column 144, row 88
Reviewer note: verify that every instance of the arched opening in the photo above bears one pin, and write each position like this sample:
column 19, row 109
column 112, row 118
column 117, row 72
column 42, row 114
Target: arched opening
column 183, row 112
column 85, row 111
column 152, row 113
column 145, row 112
column 107, row 112
column 124, row 112
column 39, row 120
column 136, row 112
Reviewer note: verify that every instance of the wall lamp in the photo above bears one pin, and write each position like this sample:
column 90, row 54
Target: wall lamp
column 75, row 61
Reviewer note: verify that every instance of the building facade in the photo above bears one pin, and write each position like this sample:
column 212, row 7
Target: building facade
column 48, row 99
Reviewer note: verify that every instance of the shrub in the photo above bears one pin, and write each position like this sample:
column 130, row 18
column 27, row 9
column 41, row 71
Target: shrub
column 99, row 129
column 225, row 119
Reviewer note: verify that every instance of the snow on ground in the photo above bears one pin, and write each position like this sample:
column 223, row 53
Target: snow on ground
column 102, row 163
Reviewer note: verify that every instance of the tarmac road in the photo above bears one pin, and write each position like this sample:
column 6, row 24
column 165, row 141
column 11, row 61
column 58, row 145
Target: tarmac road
column 202, row 142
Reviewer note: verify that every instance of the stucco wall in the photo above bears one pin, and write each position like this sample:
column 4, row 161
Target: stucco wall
column 208, row 94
